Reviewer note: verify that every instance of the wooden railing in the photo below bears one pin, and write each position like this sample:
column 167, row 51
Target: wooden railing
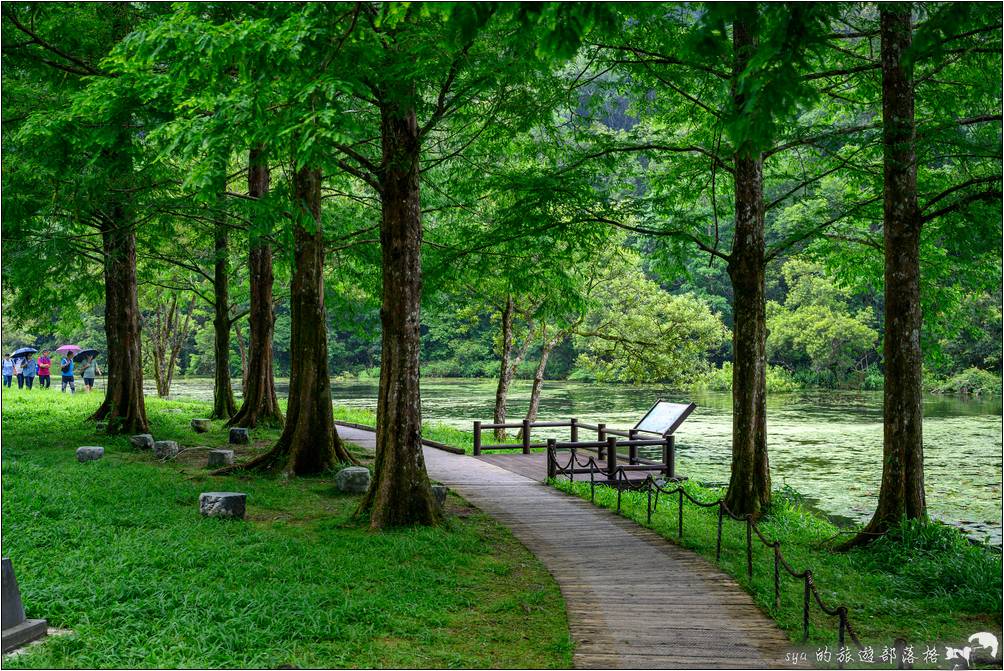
column 605, row 446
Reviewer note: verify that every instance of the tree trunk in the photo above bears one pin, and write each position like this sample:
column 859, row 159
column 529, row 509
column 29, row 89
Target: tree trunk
column 123, row 407
column 538, row 379
column 244, row 357
column 749, row 485
column 901, row 494
column 223, row 393
column 400, row 493
column 260, row 405
column 309, row 443
column 505, row 370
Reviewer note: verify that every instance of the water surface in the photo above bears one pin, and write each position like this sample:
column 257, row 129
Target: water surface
column 825, row 444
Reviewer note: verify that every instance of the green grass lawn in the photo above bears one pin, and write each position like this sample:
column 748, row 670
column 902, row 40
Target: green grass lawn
column 928, row 585
column 116, row 551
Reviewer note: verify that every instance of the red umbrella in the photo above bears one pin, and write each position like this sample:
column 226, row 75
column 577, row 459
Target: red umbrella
column 68, row 348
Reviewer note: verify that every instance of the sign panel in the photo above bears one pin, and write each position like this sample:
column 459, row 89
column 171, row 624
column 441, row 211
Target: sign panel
column 665, row 417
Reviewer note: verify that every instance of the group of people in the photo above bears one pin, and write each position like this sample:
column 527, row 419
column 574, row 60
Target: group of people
column 26, row 369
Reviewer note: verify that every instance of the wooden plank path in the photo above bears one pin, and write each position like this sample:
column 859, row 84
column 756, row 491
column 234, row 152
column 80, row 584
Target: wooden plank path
column 633, row 599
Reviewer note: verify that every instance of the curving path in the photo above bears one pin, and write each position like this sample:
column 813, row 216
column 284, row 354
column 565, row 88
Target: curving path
column 634, row 600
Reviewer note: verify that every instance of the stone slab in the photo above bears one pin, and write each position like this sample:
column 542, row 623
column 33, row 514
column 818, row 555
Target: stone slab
column 223, row 504
column 17, row 629
column 22, row 634
column 201, row 425
column 353, row 480
column 220, row 458
column 166, row 449
column 142, row 441
column 439, row 491
column 239, row 436
column 90, row 453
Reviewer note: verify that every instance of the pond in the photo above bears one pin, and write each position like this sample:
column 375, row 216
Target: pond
column 825, row 444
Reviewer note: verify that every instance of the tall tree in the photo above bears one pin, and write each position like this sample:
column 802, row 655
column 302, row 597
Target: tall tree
column 309, row 442
column 260, row 405
column 89, row 120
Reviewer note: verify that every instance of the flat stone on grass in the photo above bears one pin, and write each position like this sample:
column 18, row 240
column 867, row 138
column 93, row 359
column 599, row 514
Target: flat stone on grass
column 142, row 441
column 201, row 425
column 166, row 449
column 239, row 436
column 223, row 504
column 220, row 458
column 90, row 453
column 353, row 480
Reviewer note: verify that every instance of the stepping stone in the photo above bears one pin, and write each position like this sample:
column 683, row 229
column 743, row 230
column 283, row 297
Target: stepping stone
column 143, row 441
column 201, row 425
column 166, row 449
column 353, row 480
column 239, row 436
column 101, row 427
column 439, row 491
column 90, row 453
column 220, row 458
column 223, row 504
column 18, row 630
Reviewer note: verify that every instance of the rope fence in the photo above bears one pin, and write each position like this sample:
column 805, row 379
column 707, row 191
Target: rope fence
column 650, row 487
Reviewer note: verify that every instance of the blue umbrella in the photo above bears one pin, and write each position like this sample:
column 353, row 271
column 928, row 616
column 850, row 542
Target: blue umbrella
column 20, row 353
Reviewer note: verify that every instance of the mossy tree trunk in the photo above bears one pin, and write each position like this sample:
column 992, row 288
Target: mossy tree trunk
column 901, row 494
column 309, row 443
column 260, row 405
column 749, row 485
column 223, row 393
column 123, row 407
column 400, row 493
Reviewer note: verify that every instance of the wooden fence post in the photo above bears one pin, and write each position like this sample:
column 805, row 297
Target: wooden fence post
column 477, row 438
column 611, row 456
column 601, row 436
column 669, row 457
column 552, row 459
column 632, row 449
column 574, row 432
column 526, row 436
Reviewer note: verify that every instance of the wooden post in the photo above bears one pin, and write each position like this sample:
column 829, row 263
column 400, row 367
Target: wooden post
column 611, row 456
column 552, row 459
column 574, row 432
column 632, row 449
column 526, row 436
column 477, row 438
column 669, row 457
column 601, row 435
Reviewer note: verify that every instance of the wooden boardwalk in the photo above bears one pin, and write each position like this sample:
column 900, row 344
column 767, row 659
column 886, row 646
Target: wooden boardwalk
column 633, row 599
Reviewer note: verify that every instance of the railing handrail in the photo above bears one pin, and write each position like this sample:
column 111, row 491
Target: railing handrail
column 649, row 484
column 574, row 424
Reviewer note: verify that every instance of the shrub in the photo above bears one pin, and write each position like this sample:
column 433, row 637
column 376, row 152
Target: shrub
column 970, row 382
column 779, row 380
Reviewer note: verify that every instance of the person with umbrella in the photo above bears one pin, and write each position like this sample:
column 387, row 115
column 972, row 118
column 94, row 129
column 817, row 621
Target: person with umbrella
column 30, row 370
column 89, row 368
column 66, row 367
column 19, row 371
column 8, row 370
column 43, row 370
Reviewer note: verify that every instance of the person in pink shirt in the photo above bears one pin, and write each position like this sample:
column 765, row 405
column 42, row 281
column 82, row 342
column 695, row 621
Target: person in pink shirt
column 43, row 370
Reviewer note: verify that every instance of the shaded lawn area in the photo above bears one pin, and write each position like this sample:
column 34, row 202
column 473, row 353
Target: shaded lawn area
column 929, row 585
column 116, row 551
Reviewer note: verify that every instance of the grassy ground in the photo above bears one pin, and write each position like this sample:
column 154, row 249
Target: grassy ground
column 928, row 585
column 116, row 551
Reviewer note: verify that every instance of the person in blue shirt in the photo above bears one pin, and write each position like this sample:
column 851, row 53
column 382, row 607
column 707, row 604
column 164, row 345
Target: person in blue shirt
column 30, row 370
column 8, row 370
column 66, row 368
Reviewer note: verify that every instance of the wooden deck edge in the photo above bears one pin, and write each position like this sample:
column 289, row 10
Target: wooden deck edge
column 425, row 441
